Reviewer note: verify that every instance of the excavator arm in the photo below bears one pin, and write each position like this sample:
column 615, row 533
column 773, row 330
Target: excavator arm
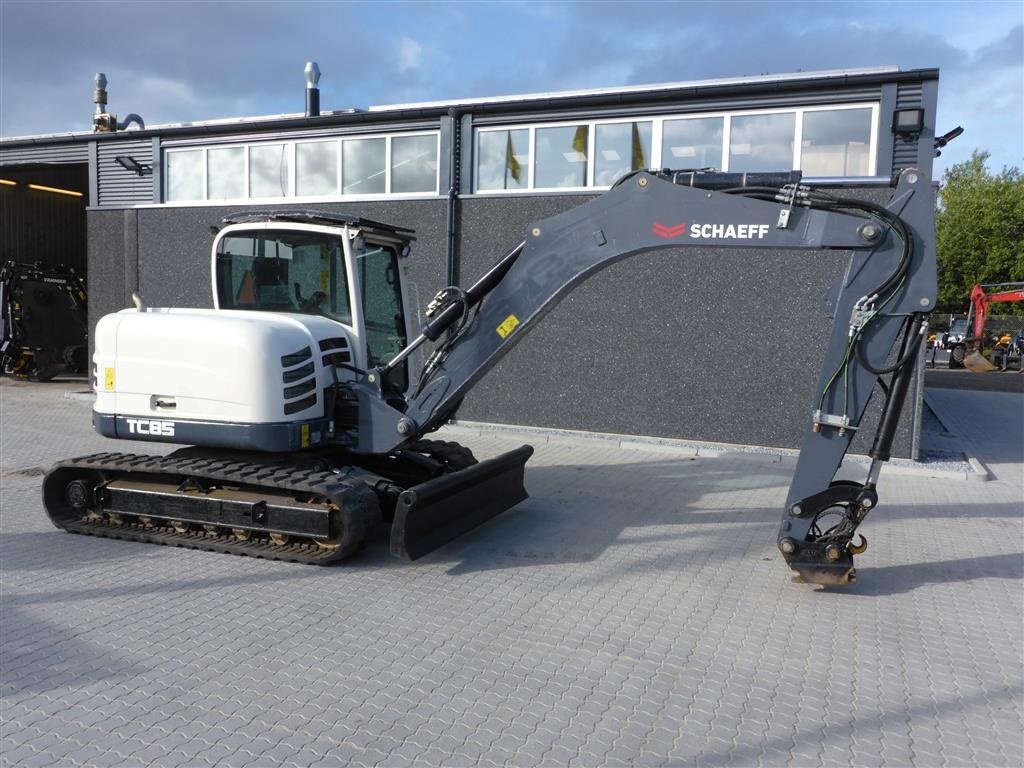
column 980, row 299
column 966, row 352
column 880, row 307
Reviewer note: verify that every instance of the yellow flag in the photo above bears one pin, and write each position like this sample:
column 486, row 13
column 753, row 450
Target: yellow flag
column 512, row 167
column 639, row 160
column 579, row 140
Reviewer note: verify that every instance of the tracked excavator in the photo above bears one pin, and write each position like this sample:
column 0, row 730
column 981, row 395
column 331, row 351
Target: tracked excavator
column 307, row 421
column 966, row 352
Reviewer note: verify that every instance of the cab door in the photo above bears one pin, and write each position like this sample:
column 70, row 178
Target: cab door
column 379, row 275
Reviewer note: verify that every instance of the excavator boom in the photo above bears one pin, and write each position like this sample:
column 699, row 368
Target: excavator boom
column 882, row 300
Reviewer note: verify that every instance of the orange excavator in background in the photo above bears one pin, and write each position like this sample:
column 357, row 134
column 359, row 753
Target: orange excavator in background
column 966, row 336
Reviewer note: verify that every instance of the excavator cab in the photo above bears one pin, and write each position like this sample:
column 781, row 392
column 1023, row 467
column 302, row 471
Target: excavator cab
column 346, row 269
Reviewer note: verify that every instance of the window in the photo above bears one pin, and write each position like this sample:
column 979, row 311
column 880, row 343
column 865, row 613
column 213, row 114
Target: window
column 620, row 148
column 185, row 175
column 693, row 143
column 268, row 170
column 414, row 164
column 225, row 173
column 821, row 141
column 762, row 142
column 383, row 312
column 836, row 142
column 401, row 164
column 284, row 271
column 504, row 159
column 316, row 168
column 561, row 157
column 363, row 167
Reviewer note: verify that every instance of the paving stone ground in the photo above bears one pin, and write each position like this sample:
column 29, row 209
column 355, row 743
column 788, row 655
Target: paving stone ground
column 633, row 611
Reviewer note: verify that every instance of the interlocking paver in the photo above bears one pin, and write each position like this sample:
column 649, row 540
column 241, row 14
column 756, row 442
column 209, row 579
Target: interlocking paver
column 632, row 612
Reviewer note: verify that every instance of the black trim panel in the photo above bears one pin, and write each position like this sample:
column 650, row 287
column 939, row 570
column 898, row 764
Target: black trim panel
column 276, row 437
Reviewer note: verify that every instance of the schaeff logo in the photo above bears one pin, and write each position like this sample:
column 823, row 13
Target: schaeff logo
column 154, row 427
column 712, row 231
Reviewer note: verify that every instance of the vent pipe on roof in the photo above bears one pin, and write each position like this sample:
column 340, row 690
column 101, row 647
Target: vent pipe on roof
column 99, row 96
column 106, row 122
column 312, row 91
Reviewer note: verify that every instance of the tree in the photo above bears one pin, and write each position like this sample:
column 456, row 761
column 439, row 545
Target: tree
column 979, row 231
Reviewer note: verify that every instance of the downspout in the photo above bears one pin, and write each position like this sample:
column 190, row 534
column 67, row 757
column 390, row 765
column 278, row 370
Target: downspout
column 454, row 170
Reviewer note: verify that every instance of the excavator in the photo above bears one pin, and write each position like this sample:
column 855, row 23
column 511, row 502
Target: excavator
column 306, row 419
column 966, row 351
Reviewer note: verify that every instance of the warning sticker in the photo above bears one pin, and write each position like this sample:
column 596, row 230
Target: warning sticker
column 108, row 379
column 510, row 324
column 305, row 435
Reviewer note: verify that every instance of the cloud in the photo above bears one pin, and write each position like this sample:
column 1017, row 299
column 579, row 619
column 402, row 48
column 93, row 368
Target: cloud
column 410, row 55
column 1005, row 52
column 185, row 61
column 985, row 95
column 980, row 75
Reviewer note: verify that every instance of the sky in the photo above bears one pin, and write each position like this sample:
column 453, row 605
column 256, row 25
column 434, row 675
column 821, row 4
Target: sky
column 182, row 61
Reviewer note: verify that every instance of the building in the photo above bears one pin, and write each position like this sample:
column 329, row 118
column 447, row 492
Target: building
column 709, row 345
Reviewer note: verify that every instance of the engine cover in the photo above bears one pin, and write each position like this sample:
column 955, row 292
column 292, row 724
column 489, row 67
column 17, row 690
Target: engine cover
column 219, row 378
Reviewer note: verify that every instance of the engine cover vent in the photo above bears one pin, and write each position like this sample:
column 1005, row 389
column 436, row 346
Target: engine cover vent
column 337, row 349
column 295, row 358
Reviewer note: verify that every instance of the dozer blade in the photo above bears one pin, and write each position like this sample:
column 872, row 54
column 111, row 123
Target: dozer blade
column 977, row 363
column 431, row 514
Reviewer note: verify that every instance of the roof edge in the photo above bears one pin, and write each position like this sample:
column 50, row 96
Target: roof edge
column 563, row 99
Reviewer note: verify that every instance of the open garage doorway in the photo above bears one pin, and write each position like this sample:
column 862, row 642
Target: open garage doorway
column 43, row 280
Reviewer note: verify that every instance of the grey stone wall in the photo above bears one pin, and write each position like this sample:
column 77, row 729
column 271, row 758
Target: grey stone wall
column 697, row 344
column 164, row 253
column 112, row 263
column 174, row 269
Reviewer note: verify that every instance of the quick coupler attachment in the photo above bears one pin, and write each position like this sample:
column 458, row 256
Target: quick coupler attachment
column 817, row 539
column 431, row 514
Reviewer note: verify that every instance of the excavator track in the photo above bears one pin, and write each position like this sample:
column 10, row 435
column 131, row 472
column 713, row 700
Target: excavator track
column 224, row 505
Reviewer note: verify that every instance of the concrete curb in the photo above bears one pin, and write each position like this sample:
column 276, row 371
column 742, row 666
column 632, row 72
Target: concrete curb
column 977, row 472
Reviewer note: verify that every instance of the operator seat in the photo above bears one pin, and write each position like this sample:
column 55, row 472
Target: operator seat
column 270, row 280
column 246, row 296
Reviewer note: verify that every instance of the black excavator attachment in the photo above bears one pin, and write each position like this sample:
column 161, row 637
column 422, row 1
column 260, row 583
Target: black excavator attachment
column 273, row 508
column 433, row 513
column 825, row 557
column 43, row 321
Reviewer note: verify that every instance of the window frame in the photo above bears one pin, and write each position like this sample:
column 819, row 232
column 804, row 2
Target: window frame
column 872, row 135
column 291, row 150
column 657, row 134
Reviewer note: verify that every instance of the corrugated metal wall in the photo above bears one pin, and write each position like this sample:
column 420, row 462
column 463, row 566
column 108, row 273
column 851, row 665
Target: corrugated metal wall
column 905, row 151
column 48, row 153
column 117, row 185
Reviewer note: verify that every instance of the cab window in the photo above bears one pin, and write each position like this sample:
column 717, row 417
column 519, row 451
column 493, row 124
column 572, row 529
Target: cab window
column 383, row 312
column 283, row 271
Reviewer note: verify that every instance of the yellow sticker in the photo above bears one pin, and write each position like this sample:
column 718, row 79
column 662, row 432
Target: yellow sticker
column 305, row 435
column 510, row 324
column 108, row 379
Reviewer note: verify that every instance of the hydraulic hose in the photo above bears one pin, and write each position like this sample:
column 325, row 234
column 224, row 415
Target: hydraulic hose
column 913, row 329
column 881, row 448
